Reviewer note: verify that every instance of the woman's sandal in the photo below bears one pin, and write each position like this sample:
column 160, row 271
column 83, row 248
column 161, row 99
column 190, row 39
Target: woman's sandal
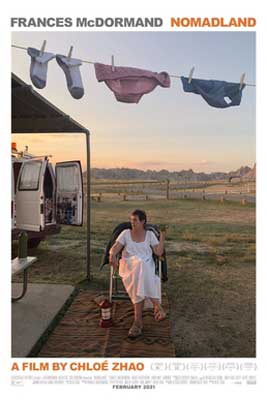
column 135, row 331
column 159, row 313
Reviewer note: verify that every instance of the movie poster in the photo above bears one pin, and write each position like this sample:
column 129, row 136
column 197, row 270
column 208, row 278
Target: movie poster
column 133, row 200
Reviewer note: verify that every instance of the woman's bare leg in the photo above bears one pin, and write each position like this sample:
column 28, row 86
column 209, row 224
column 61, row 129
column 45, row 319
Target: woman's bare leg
column 155, row 302
column 138, row 312
column 159, row 312
column 137, row 326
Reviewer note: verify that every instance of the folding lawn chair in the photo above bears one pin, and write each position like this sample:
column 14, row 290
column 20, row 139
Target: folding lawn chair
column 115, row 292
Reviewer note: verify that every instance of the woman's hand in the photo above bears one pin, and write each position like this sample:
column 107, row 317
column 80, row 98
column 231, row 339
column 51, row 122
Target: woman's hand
column 162, row 236
column 163, row 229
column 113, row 260
column 159, row 248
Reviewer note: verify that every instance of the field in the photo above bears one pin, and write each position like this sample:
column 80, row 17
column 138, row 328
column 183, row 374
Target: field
column 211, row 266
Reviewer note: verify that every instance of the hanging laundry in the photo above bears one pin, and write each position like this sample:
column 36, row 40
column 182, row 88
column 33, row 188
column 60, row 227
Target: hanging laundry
column 130, row 84
column 218, row 94
column 39, row 65
column 72, row 72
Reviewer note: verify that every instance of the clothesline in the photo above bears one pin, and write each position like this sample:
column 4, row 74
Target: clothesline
column 91, row 62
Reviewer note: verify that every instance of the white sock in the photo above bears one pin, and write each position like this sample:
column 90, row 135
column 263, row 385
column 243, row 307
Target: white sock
column 72, row 72
column 39, row 65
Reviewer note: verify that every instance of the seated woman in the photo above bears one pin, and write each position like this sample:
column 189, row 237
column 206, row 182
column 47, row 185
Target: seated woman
column 137, row 267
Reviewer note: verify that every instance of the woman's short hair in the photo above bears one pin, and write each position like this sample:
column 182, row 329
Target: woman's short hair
column 140, row 214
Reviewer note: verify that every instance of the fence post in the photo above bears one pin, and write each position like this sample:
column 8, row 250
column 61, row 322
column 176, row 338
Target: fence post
column 167, row 189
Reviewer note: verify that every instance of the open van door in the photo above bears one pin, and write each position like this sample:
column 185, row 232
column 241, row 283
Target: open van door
column 30, row 195
column 13, row 199
column 69, row 193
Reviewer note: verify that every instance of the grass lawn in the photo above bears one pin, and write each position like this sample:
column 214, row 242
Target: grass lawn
column 211, row 266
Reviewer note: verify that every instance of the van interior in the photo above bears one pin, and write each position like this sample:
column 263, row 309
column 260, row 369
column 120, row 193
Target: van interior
column 66, row 209
column 49, row 197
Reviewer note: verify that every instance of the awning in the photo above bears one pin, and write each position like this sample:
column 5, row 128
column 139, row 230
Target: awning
column 33, row 113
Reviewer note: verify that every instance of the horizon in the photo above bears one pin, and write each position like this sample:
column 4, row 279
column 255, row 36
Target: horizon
column 17, row 138
column 183, row 170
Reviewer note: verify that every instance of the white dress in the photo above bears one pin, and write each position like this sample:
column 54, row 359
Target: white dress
column 137, row 267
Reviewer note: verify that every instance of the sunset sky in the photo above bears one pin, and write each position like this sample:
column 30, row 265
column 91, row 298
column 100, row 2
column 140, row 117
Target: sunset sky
column 168, row 129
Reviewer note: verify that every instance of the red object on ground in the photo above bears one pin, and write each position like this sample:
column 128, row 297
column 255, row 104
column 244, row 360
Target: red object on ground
column 14, row 146
column 106, row 317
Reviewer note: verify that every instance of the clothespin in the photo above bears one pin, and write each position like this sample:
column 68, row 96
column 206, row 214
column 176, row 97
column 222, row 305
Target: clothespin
column 242, row 78
column 112, row 63
column 43, row 48
column 191, row 74
column 70, row 52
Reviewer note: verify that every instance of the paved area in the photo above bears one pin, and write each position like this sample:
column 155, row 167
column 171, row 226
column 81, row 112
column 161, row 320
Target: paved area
column 33, row 314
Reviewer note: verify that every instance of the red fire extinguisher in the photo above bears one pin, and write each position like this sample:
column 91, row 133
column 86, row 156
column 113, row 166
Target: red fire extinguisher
column 106, row 317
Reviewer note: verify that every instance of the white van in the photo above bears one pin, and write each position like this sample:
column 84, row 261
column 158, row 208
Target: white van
column 44, row 198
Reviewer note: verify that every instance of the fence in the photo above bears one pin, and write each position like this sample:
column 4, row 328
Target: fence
column 128, row 190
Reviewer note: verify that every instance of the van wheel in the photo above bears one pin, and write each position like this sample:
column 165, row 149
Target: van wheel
column 34, row 242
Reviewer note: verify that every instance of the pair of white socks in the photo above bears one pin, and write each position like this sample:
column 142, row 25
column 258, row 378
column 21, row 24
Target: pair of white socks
column 70, row 66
